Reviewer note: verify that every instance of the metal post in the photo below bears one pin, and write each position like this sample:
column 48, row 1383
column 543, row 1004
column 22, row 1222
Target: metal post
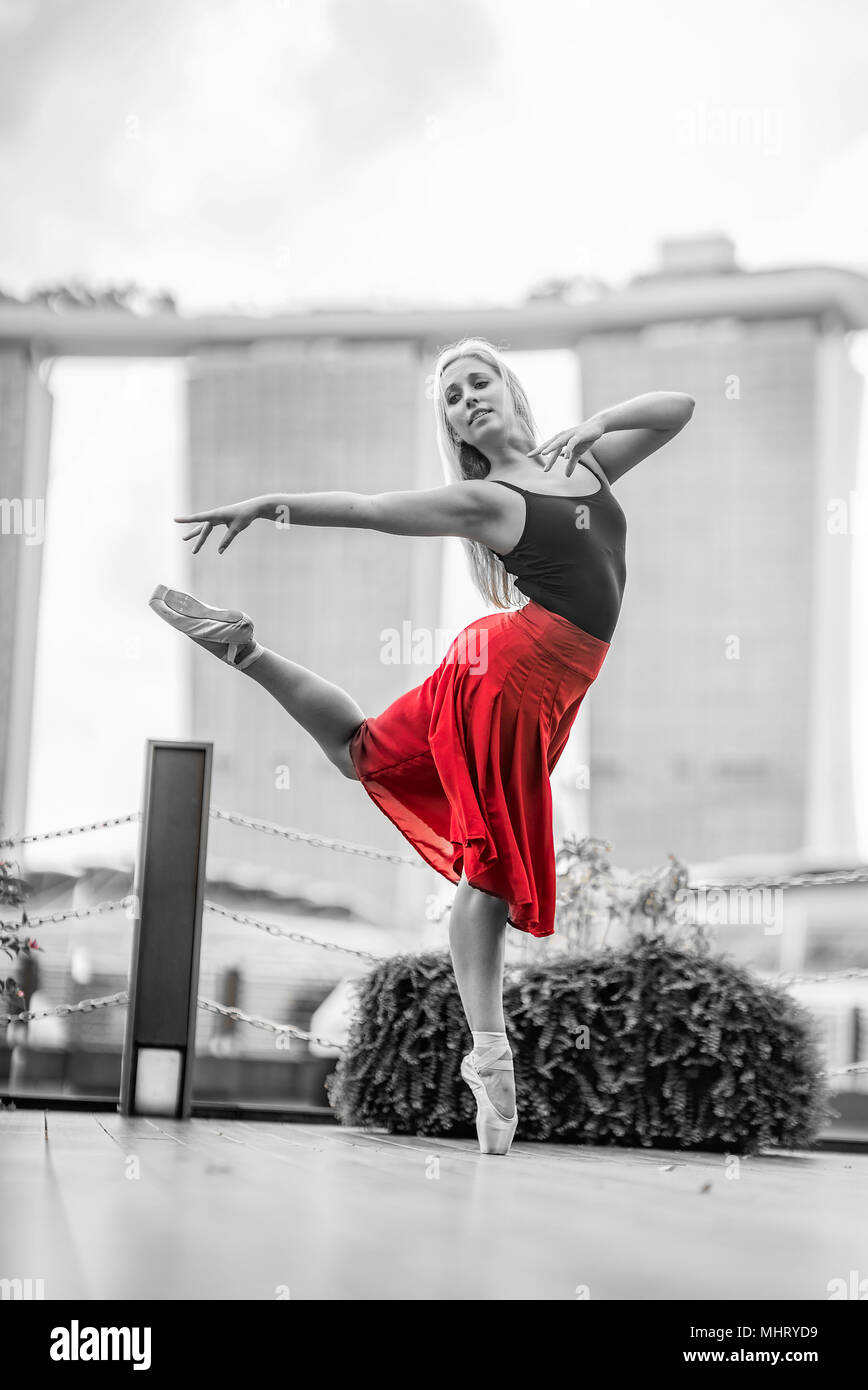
column 159, row 1044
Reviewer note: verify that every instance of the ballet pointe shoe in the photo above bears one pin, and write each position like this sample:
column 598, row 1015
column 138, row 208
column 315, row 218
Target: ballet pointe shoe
column 494, row 1130
column 204, row 623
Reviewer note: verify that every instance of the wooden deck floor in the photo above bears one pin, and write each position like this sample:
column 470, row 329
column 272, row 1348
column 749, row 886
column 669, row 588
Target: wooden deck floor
column 108, row 1207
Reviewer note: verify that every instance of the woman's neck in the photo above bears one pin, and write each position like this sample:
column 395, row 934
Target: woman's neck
column 511, row 457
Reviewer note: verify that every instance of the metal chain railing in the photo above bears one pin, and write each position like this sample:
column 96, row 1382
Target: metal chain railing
column 66, row 913
column 856, row 974
column 341, row 846
column 255, row 1021
column 274, row 930
column 805, row 880
column 108, row 1001
column 86, row 1006
column 823, row 879
column 9, row 842
column 234, row 818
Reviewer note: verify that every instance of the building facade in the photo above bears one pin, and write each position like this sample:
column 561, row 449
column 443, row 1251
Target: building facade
column 354, row 606
column 721, row 722
column 25, row 436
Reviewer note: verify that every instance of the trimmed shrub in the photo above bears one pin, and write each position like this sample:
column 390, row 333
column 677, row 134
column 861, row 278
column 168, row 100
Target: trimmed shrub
column 651, row 1044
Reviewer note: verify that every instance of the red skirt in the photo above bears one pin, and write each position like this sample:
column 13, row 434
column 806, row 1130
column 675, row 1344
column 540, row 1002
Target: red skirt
column 461, row 764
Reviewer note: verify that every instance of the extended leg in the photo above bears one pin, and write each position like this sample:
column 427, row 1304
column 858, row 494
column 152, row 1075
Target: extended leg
column 477, row 939
column 327, row 712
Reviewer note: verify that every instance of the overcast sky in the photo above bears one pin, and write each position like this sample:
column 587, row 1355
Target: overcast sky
column 268, row 153
column 264, row 152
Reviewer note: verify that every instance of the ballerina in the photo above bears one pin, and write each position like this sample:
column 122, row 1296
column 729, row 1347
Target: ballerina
column 461, row 763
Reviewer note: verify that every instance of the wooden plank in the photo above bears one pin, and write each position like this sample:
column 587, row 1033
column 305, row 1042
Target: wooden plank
column 41, row 1239
column 242, row 1210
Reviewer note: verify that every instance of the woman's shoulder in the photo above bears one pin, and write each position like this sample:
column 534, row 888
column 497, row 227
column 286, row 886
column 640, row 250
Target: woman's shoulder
column 487, row 490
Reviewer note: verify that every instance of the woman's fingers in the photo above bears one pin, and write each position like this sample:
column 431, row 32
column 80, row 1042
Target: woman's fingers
column 558, row 451
column 556, row 439
column 199, row 533
column 548, row 452
column 568, row 445
column 232, row 530
column 235, row 519
column 572, row 448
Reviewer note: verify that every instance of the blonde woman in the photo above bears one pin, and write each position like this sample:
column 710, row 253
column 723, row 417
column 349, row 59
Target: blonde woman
column 461, row 763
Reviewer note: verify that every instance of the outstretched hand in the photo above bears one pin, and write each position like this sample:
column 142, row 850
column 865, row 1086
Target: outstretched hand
column 236, row 518
column 570, row 444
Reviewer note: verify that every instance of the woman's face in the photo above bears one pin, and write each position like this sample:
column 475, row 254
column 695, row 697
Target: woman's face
column 478, row 404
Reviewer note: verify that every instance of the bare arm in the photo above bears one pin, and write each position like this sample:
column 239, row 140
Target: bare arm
column 623, row 435
column 639, row 427
column 471, row 509
column 458, row 509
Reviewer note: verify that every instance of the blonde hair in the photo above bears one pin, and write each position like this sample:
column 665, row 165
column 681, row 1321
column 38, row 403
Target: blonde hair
column 462, row 460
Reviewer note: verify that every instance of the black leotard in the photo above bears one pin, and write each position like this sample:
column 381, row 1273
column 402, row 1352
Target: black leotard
column 570, row 556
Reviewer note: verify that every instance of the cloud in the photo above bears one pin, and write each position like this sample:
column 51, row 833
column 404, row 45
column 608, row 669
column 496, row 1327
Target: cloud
column 391, row 65
column 202, row 134
column 88, row 43
column 263, row 151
